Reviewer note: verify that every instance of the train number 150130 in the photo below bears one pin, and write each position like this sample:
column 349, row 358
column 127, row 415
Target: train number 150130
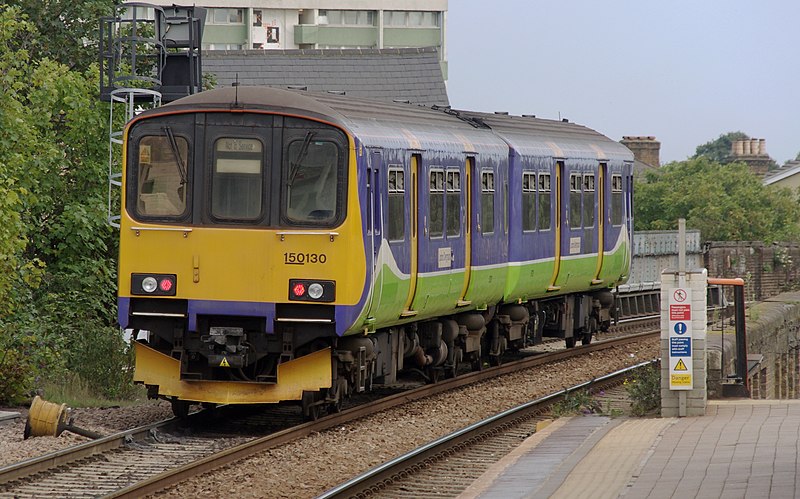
column 304, row 258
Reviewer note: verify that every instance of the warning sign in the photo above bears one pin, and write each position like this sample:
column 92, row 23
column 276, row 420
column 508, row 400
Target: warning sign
column 680, row 339
column 680, row 312
column 682, row 380
column 224, row 363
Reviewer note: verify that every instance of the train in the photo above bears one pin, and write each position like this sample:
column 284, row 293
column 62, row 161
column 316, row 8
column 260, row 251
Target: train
column 281, row 245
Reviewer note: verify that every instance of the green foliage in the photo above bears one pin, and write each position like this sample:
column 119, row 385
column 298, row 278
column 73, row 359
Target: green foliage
column 69, row 26
column 720, row 148
column 57, row 254
column 576, row 402
column 726, row 202
column 644, row 390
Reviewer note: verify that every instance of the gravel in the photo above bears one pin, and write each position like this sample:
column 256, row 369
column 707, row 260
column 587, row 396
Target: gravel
column 308, row 467
column 14, row 448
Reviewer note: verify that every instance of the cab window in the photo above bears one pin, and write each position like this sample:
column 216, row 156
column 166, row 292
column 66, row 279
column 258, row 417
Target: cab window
column 312, row 180
column 237, row 179
column 163, row 166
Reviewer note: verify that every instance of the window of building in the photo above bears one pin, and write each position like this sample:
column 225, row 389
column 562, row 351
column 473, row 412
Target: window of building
column 616, row 199
column 487, row 202
column 544, row 201
column 222, row 46
column 411, row 19
column 237, row 179
column 347, row 17
column 453, row 202
column 396, row 212
column 528, row 201
column 575, row 200
column 163, row 166
column 225, row 16
column 436, row 203
column 589, row 200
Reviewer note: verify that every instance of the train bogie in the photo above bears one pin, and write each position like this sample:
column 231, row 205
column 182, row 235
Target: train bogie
column 281, row 245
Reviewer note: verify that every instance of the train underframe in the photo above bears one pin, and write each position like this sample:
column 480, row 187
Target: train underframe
column 228, row 353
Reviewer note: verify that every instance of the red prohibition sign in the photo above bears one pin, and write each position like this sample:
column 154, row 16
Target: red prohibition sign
column 679, row 295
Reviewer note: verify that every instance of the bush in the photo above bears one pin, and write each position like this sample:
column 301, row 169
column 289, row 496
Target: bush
column 644, row 390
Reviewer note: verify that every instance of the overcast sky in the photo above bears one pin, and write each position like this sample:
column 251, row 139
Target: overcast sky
column 684, row 71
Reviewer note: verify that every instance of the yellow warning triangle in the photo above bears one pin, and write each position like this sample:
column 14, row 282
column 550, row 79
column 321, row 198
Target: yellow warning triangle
column 680, row 366
column 224, row 363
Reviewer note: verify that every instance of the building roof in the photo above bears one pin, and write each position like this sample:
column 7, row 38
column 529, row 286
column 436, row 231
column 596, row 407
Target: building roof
column 789, row 169
column 412, row 74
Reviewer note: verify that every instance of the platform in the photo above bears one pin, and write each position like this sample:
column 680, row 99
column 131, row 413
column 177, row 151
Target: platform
column 741, row 448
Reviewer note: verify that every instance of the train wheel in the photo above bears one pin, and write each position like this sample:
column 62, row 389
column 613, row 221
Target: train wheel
column 433, row 374
column 452, row 371
column 570, row 342
column 180, row 408
column 311, row 407
column 477, row 363
column 586, row 339
column 495, row 360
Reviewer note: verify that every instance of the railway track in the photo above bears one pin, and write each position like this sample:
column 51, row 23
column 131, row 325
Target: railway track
column 447, row 466
column 152, row 458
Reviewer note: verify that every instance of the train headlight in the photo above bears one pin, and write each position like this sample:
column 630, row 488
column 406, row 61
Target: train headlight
column 312, row 290
column 315, row 291
column 149, row 284
column 154, row 284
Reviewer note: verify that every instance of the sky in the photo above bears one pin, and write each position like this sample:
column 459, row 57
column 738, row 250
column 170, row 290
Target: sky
column 684, row 71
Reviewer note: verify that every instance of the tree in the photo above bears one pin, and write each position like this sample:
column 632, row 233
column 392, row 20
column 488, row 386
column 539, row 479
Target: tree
column 719, row 149
column 726, row 202
column 57, row 254
column 69, row 28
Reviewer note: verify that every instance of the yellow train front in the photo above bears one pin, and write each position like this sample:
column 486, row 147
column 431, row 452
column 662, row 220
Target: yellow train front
column 241, row 249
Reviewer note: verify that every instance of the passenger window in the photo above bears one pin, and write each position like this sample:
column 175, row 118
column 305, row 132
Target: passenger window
column 487, row 202
column 312, row 180
column 616, row 199
column 396, row 230
column 436, row 203
column 163, row 166
column 544, row 201
column 575, row 200
column 589, row 200
column 528, row 201
column 237, row 179
column 453, row 202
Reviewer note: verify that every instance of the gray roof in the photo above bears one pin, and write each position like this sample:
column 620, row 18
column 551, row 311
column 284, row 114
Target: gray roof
column 412, row 74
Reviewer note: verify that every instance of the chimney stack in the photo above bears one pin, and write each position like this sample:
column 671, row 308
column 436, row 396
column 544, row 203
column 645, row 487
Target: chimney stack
column 645, row 149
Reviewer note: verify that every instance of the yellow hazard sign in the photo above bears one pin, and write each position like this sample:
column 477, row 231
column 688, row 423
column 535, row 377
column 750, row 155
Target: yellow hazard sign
column 680, row 380
column 224, row 363
column 680, row 366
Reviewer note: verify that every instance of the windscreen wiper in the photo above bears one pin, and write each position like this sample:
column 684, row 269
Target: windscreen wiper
column 173, row 145
column 295, row 165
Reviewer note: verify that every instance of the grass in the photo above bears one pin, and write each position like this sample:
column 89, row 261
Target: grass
column 75, row 392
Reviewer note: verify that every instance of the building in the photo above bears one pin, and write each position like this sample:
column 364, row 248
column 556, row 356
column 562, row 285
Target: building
column 323, row 24
column 753, row 152
column 646, row 152
column 787, row 176
column 412, row 74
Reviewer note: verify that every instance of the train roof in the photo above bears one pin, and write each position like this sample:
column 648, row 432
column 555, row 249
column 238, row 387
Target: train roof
column 375, row 123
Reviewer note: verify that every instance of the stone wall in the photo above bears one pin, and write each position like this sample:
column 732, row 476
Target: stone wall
column 767, row 269
column 773, row 338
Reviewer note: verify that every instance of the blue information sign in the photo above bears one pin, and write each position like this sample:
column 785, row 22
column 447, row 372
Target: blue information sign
column 680, row 347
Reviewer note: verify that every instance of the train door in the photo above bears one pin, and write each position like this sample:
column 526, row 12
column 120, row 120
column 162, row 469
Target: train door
column 600, row 219
column 467, row 229
column 374, row 225
column 556, row 207
column 408, row 311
